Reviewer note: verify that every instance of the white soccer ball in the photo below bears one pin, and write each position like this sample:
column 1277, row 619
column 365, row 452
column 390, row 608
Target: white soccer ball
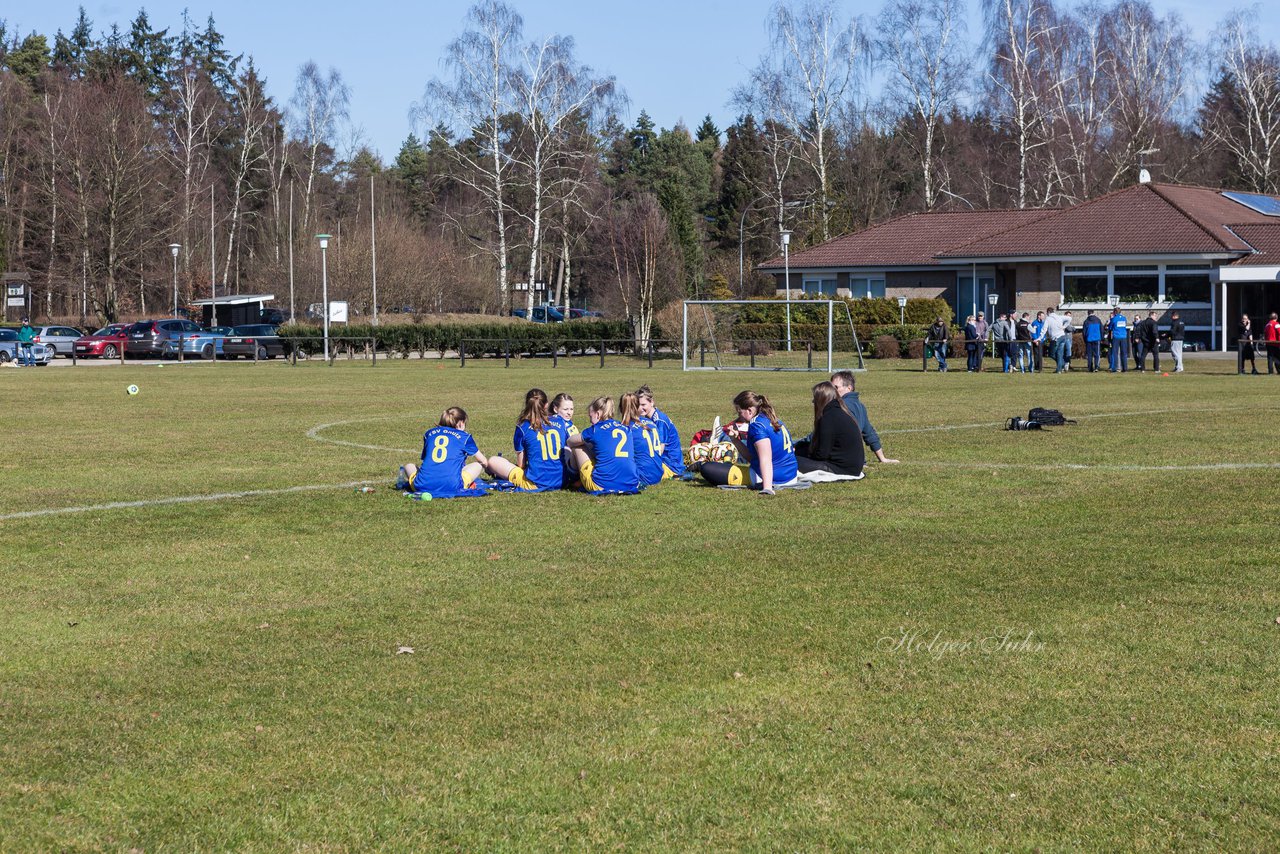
column 133, row 389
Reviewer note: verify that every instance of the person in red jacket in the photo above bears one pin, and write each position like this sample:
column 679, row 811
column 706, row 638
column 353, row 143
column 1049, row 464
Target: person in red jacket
column 1272, row 333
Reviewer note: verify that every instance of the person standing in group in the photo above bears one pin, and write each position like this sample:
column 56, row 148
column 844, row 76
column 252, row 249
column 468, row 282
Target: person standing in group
column 983, row 328
column 1022, row 346
column 1177, row 334
column 1118, row 331
column 771, row 458
column 603, row 456
column 1244, row 344
column 1272, row 333
column 971, row 344
column 1135, row 337
column 1092, row 333
column 1053, row 334
column 1037, row 343
column 1148, row 333
column 844, row 382
column 1002, row 335
column 939, row 336
column 1068, row 332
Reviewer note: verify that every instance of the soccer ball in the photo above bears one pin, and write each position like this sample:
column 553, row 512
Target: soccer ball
column 724, row 452
column 133, row 389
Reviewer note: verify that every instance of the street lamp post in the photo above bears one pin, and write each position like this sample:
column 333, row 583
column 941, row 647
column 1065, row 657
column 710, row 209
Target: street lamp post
column 992, row 299
column 174, row 249
column 786, row 278
column 324, row 287
column 902, row 311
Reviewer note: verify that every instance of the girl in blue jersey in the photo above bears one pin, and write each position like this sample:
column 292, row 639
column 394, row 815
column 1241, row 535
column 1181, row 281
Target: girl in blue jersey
column 672, row 453
column 562, row 413
column 768, row 450
column 644, row 436
column 538, row 444
column 603, row 455
column 444, row 471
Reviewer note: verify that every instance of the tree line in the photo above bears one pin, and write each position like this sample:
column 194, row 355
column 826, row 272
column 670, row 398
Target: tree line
column 525, row 184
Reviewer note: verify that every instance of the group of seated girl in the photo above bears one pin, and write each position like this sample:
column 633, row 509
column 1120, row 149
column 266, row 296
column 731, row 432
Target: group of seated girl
column 610, row 456
column 832, row 452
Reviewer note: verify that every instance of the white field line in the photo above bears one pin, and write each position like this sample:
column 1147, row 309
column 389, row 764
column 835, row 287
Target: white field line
column 314, row 435
column 1135, row 414
column 1093, row 466
column 189, row 499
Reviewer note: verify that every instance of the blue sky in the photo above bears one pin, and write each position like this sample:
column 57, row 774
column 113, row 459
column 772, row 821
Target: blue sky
column 677, row 60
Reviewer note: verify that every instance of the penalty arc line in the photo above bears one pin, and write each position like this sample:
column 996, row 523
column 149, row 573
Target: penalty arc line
column 188, row 499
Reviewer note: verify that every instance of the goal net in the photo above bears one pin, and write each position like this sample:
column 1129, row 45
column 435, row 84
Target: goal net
column 770, row 335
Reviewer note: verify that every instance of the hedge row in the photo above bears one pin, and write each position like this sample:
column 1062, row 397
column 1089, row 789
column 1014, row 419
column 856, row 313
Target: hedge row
column 874, row 311
column 404, row 339
column 817, row 333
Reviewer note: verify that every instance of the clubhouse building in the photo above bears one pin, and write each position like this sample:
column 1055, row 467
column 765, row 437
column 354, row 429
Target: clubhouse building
column 1211, row 254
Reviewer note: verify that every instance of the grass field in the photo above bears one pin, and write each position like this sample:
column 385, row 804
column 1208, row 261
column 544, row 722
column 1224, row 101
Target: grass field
column 1055, row 640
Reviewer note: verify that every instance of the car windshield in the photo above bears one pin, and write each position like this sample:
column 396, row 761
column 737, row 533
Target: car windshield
column 8, row 335
column 253, row 329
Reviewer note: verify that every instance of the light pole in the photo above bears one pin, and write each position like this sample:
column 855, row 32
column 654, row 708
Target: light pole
column 324, row 288
column 902, row 311
column 174, row 248
column 992, row 299
column 786, row 278
column 742, row 221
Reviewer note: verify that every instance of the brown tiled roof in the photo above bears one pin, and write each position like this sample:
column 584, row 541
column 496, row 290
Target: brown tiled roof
column 1143, row 219
column 1265, row 240
column 914, row 240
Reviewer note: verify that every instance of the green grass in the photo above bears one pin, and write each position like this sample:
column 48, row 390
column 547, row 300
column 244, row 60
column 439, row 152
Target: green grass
column 685, row 668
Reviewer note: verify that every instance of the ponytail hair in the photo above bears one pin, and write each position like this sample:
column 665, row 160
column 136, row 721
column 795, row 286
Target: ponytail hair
column 453, row 416
column 535, row 410
column 602, row 406
column 629, row 404
column 749, row 399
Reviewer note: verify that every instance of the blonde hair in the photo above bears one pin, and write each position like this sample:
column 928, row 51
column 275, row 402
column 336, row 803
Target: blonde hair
column 453, row 416
column 602, row 406
column 629, row 404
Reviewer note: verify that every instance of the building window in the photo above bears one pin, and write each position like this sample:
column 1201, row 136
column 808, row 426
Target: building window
column 1181, row 287
column 820, row 287
column 866, row 286
column 1085, row 288
column 1132, row 288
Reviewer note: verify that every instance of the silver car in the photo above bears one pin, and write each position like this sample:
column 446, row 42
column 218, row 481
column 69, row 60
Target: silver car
column 207, row 343
column 41, row 353
column 61, row 339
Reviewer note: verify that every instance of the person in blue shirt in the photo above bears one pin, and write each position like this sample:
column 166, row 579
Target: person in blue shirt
column 771, row 458
column 538, row 443
column 644, row 437
column 1037, row 343
column 603, row 456
column 1092, row 342
column 1118, row 329
column 444, row 471
column 672, row 452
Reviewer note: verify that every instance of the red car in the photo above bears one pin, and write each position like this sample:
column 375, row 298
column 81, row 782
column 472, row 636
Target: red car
column 106, row 343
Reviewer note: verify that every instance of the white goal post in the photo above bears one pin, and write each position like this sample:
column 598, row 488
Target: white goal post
column 715, row 338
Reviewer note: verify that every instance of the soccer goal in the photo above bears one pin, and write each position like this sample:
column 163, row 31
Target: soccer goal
column 770, row 335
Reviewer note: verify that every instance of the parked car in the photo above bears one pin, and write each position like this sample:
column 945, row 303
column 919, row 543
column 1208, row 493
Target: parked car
column 62, row 339
column 206, row 344
column 254, row 338
column 541, row 314
column 272, row 316
column 41, row 353
column 579, row 313
column 106, row 343
column 157, row 337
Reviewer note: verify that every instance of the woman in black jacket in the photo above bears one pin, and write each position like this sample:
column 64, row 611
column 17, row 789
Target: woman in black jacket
column 836, row 446
column 1244, row 340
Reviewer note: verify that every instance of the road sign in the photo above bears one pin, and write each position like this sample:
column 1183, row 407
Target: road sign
column 16, row 302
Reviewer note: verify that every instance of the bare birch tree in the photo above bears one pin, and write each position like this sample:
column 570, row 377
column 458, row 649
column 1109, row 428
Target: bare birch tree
column 1248, row 126
column 558, row 99
column 194, row 104
column 809, row 74
column 320, row 104
column 645, row 265
column 250, row 107
column 922, row 42
column 474, row 100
